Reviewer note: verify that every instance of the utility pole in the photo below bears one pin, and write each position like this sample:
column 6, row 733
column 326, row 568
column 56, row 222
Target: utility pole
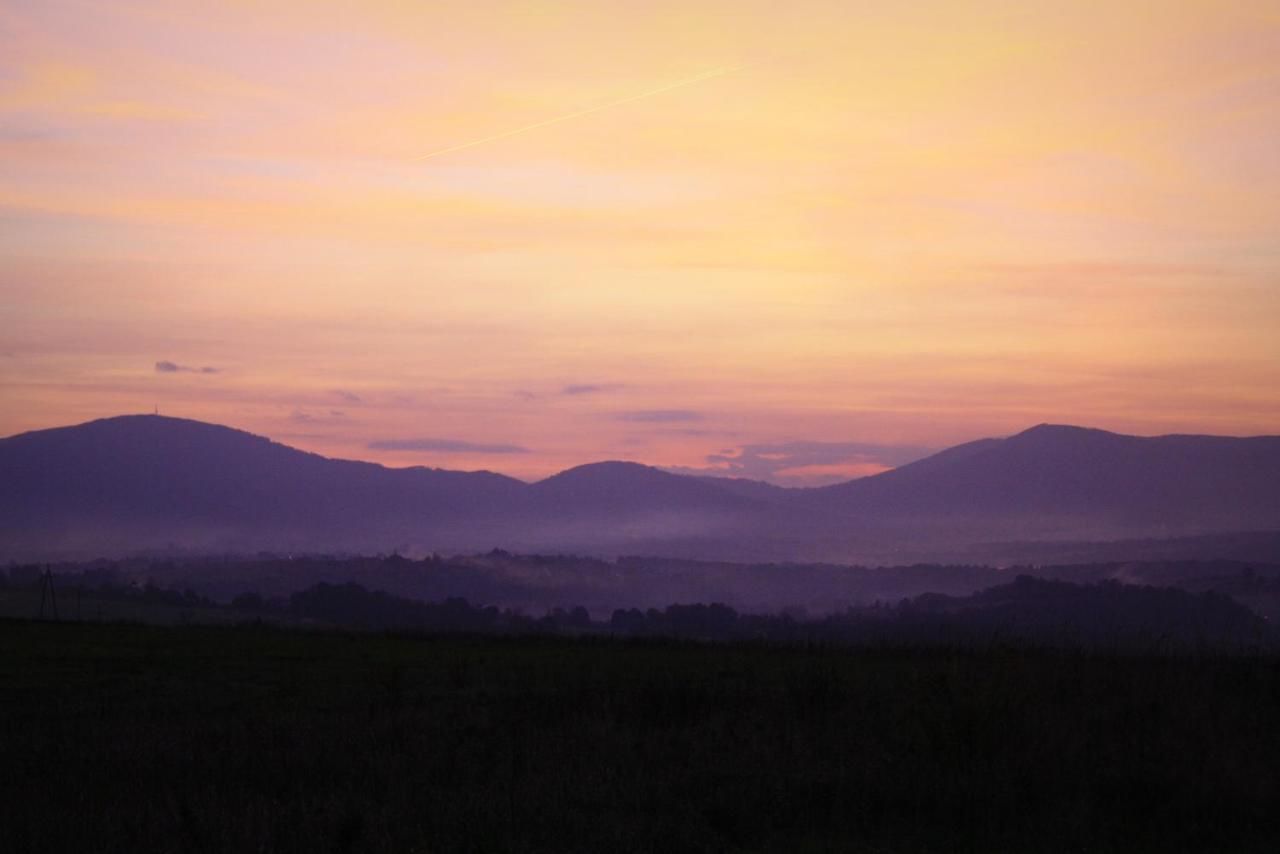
column 47, row 592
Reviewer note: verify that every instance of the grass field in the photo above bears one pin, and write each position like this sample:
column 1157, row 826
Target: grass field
column 204, row 738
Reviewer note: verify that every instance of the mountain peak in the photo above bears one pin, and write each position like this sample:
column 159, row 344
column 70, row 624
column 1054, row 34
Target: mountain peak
column 1050, row 430
column 615, row 485
column 1051, row 438
column 608, row 470
column 149, row 419
column 121, row 433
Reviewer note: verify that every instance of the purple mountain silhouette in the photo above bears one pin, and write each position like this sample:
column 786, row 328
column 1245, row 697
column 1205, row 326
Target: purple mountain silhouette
column 1052, row 471
column 143, row 482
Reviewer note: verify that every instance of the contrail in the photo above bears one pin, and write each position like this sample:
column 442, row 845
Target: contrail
column 688, row 81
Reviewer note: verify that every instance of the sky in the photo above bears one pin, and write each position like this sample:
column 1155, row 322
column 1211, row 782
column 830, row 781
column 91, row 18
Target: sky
column 799, row 241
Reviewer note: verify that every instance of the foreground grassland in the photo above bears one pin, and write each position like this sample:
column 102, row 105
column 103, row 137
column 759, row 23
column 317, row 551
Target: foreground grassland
column 199, row 738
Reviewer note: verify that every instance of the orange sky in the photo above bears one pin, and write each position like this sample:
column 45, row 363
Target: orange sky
column 526, row 235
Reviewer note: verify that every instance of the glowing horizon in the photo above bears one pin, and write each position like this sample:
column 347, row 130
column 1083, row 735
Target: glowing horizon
column 523, row 236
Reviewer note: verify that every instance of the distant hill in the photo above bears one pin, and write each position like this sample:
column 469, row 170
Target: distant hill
column 618, row 507
column 1072, row 480
column 620, row 487
column 148, row 482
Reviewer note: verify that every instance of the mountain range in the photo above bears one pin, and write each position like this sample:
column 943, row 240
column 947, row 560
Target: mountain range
column 142, row 482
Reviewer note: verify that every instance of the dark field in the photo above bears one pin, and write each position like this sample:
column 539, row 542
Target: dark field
column 131, row 738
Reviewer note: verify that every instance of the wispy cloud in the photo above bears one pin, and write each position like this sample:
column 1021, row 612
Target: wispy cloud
column 302, row 416
column 576, row 389
column 659, row 416
column 570, row 390
column 697, row 431
column 346, row 396
column 1108, row 269
column 445, row 446
column 164, row 366
column 806, row 463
